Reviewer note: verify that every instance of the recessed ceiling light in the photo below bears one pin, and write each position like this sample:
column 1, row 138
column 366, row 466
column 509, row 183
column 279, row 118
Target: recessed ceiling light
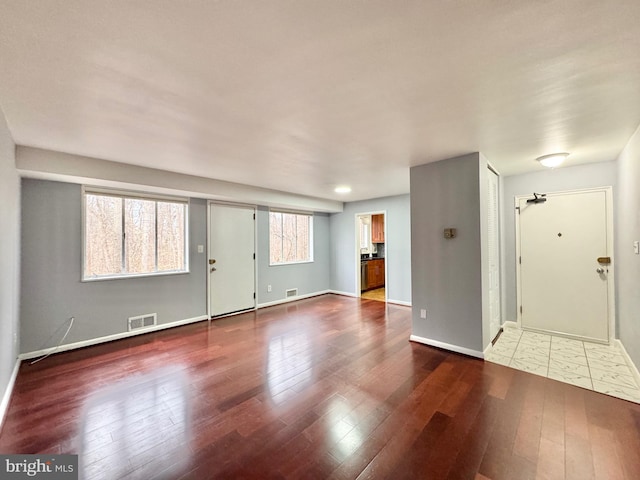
column 553, row 160
column 342, row 189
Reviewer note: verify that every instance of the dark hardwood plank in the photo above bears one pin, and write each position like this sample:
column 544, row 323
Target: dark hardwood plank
column 328, row 387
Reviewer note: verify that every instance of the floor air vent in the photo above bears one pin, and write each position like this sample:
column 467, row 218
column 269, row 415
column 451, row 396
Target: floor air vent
column 292, row 292
column 143, row 321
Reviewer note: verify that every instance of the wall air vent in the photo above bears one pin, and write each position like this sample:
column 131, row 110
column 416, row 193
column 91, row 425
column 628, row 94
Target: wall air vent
column 143, row 321
column 292, row 292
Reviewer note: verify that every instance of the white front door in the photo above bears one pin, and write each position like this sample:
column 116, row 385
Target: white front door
column 563, row 287
column 495, row 319
column 231, row 258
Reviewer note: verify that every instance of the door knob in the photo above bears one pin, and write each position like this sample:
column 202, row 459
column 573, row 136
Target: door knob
column 600, row 270
column 213, row 269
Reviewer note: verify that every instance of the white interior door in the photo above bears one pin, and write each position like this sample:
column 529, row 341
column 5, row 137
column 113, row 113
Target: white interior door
column 232, row 248
column 563, row 287
column 494, row 255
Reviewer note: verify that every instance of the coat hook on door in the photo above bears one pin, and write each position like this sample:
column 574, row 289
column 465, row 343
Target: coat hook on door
column 538, row 198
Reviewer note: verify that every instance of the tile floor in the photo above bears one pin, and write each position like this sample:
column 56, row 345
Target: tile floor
column 377, row 294
column 588, row 365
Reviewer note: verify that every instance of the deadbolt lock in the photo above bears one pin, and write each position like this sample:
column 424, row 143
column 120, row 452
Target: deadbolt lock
column 604, row 260
column 212, row 261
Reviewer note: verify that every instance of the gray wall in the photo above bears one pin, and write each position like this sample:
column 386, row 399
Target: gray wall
column 9, row 256
column 447, row 274
column 627, row 263
column 51, row 290
column 308, row 278
column 51, row 268
column 567, row 178
column 344, row 259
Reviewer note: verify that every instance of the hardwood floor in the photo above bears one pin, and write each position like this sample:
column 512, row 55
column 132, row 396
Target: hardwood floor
column 328, row 387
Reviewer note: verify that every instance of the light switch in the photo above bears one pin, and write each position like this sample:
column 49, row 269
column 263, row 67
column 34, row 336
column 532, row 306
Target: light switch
column 636, row 247
column 200, row 248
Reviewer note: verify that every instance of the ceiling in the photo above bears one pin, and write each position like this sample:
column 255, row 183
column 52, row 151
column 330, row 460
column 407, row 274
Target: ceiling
column 302, row 96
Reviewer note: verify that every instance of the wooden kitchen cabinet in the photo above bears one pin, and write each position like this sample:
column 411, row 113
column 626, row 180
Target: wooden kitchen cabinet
column 375, row 273
column 377, row 228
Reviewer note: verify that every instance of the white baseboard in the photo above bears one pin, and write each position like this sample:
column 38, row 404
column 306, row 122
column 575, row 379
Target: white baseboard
column 510, row 324
column 6, row 398
column 345, row 294
column 293, row 299
column 324, row 292
column 447, row 346
column 109, row 338
column 399, row 302
column 486, row 350
column 634, row 368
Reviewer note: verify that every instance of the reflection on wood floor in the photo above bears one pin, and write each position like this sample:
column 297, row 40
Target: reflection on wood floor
column 377, row 294
column 327, row 387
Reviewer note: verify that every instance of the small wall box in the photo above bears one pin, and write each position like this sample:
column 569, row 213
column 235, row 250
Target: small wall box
column 449, row 233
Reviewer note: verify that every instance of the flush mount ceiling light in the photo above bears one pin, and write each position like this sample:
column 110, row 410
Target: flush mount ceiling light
column 552, row 161
column 342, row 189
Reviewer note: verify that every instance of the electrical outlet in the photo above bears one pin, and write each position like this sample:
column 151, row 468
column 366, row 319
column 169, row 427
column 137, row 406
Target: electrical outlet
column 636, row 247
column 423, row 313
column 268, row 288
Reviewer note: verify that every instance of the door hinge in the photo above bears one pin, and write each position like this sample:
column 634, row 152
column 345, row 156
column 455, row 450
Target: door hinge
column 518, row 209
column 254, row 256
column 254, row 216
column 254, row 295
column 520, row 309
column 520, row 260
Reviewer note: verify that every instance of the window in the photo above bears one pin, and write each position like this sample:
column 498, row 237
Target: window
column 128, row 235
column 290, row 237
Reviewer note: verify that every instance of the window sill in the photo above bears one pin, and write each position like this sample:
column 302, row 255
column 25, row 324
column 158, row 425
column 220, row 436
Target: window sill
column 124, row 277
column 289, row 263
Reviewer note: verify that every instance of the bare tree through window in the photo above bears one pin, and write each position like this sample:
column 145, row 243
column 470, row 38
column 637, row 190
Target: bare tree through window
column 171, row 238
column 140, row 235
column 290, row 237
column 103, row 235
column 129, row 236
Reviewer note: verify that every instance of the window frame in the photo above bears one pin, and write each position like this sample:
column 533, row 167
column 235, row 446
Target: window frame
column 311, row 243
column 129, row 194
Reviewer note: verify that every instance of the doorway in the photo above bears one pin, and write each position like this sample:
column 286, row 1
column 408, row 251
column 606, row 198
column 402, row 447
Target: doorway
column 564, row 243
column 232, row 263
column 371, row 256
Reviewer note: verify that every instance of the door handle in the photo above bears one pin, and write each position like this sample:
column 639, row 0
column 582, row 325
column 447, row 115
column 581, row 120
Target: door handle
column 600, row 270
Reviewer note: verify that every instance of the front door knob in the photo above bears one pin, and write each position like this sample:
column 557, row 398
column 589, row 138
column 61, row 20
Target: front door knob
column 600, row 270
